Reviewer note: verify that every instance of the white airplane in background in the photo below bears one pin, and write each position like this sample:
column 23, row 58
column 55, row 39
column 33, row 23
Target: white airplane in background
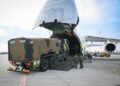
column 110, row 43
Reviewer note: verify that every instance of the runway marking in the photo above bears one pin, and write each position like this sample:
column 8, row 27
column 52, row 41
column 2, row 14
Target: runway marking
column 23, row 81
column 113, row 70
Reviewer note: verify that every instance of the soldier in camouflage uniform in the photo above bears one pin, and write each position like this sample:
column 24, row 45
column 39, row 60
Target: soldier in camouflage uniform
column 78, row 59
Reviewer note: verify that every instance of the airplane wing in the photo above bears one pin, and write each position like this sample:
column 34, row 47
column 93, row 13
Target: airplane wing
column 90, row 45
column 101, row 39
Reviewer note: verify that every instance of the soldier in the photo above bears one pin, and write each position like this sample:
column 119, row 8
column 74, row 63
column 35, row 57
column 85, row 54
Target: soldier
column 78, row 58
column 75, row 59
column 81, row 61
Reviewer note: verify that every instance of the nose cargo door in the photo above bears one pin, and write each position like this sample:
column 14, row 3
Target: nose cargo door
column 17, row 49
column 57, row 12
column 61, row 17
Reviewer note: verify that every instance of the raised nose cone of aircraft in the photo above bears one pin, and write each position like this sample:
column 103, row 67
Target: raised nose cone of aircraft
column 57, row 11
column 61, row 17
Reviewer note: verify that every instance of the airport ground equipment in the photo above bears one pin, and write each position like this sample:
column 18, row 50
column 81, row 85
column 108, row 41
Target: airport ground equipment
column 36, row 53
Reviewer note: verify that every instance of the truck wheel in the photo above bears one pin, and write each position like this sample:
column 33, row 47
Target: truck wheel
column 44, row 64
column 51, row 62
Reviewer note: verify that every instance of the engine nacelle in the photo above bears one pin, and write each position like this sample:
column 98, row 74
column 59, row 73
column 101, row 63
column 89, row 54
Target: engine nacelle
column 110, row 47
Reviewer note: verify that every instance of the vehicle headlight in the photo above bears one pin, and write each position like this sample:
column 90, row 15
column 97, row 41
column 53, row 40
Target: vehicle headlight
column 34, row 62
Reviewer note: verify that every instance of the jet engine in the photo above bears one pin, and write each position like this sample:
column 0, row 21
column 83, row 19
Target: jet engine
column 110, row 47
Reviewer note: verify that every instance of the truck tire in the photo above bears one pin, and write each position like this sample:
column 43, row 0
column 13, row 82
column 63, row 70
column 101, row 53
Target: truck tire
column 44, row 65
column 52, row 62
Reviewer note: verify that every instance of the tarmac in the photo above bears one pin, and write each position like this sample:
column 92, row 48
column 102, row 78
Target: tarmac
column 100, row 72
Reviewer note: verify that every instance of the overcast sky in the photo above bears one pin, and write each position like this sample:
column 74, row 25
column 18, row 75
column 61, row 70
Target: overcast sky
column 97, row 18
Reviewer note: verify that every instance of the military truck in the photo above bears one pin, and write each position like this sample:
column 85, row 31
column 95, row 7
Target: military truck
column 37, row 53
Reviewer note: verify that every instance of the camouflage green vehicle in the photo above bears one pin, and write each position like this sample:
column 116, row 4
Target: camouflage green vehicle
column 37, row 53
